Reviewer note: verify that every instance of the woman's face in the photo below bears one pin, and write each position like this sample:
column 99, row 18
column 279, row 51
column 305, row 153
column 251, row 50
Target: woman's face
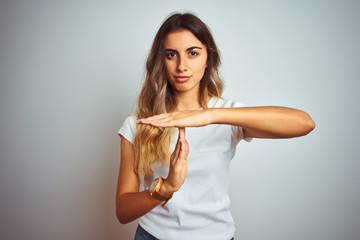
column 185, row 61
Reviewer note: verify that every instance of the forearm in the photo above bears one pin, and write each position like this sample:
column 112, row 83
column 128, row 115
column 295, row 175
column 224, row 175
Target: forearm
column 271, row 122
column 130, row 206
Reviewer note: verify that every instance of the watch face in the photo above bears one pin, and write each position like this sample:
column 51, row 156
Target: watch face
column 154, row 183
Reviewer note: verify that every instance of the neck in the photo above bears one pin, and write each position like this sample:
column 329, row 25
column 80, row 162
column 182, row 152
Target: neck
column 187, row 101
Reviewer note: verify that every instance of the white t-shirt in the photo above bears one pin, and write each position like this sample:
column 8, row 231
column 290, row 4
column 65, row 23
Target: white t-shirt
column 201, row 208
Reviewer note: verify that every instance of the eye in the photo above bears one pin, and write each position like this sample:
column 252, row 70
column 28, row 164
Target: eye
column 170, row 55
column 193, row 53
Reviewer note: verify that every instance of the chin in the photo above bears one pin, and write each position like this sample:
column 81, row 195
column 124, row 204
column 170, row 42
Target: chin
column 183, row 87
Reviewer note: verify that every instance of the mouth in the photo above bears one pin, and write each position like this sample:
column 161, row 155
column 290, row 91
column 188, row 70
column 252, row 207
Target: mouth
column 182, row 78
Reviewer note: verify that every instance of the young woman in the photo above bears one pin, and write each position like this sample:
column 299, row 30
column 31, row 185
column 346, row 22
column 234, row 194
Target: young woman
column 176, row 184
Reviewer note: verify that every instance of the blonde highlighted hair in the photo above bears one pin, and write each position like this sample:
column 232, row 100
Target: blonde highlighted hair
column 152, row 144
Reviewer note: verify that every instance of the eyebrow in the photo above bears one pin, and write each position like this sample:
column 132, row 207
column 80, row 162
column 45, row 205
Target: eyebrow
column 189, row 49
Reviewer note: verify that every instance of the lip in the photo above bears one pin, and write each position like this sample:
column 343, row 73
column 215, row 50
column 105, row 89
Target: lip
column 182, row 78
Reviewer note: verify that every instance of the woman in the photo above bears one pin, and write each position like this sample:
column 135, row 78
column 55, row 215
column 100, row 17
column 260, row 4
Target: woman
column 185, row 195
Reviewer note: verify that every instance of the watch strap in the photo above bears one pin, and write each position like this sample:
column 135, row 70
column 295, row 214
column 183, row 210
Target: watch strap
column 154, row 193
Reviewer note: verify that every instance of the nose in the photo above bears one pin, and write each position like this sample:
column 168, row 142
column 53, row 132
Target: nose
column 182, row 64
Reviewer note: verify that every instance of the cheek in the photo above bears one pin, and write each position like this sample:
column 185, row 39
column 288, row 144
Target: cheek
column 169, row 66
column 201, row 66
column 169, row 70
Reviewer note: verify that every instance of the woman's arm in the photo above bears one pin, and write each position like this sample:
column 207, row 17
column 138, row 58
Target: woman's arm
column 132, row 204
column 257, row 122
column 266, row 122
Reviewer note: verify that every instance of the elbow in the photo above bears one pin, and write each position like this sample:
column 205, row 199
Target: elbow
column 121, row 217
column 308, row 124
column 122, row 221
column 311, row 125
column 121, row 213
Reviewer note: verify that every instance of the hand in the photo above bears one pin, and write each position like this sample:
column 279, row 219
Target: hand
column 178, row 166
column 189, row 118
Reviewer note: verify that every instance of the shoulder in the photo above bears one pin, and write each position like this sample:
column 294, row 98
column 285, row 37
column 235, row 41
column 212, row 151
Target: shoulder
column 223, row 103
column 128, row 128
column 130, row 119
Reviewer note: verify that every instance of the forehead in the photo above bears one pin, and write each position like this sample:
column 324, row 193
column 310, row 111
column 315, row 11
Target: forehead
column 182, row 39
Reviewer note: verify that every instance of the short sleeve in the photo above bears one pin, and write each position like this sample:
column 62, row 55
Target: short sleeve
column 128, row 128
column 237, row 132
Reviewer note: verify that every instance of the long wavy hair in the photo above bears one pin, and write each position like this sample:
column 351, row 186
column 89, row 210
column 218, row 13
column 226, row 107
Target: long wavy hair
column 152, row 144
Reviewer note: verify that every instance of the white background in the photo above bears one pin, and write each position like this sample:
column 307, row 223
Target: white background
column 71, row 71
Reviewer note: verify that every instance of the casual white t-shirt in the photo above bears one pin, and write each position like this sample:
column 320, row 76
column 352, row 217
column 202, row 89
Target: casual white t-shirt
column 201, row 208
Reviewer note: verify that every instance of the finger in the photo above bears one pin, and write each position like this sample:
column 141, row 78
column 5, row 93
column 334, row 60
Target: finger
column 158, row 123
column 163, row 123
column 181, row 133
column 184, row 150
column 158, row 117
column 176, row 152
column 180, row 139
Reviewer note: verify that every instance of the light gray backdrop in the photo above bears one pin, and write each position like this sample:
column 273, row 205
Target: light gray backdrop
column 71, row 70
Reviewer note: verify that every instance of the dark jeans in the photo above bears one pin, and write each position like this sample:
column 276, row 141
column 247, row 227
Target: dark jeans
column 141, row 234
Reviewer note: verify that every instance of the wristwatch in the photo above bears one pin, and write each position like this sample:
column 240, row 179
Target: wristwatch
column 155, row 188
